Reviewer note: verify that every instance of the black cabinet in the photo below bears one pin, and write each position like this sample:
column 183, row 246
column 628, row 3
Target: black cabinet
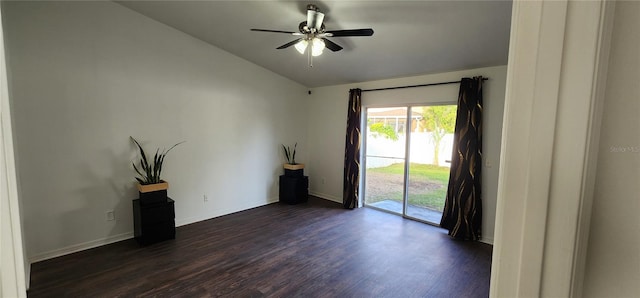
column 154, row 222
column 294, row 189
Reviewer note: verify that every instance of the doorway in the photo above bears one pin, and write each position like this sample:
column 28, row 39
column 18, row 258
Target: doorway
column 407, row 159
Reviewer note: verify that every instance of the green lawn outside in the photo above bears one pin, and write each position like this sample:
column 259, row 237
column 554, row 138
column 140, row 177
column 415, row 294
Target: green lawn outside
column 431, row 196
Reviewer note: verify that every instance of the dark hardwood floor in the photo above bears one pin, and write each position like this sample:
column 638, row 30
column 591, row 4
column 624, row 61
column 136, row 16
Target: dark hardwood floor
column 315, row 249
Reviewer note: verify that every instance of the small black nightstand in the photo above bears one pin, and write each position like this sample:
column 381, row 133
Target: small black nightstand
column 154, row 222
column 294, row 189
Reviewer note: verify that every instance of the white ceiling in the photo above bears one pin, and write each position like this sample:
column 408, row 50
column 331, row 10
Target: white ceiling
column 411, row 37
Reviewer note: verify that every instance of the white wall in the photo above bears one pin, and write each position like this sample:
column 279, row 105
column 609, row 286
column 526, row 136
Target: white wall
column 87, row 75
column 613, row 254
column 327, row 128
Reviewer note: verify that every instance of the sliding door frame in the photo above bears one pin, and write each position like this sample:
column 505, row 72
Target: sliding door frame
column 407, row 155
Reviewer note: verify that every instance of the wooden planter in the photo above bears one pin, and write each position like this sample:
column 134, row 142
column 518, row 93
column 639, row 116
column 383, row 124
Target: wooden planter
column 296, row 170
column 153, row 193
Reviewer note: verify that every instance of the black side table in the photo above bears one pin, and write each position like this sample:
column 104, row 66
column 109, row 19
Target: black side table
column 294, row 189
column 154, row 222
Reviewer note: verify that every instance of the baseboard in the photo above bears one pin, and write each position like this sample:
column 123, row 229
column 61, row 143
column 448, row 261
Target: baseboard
column 124, row 236
column 194, row 219
column 325, row 196
column 486, row 240
column 79, row 247
column 180, row 222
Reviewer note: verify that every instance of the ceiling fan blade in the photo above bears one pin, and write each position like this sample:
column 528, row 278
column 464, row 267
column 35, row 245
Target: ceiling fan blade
column 331, row 45
column 286, row 45
column 350, row 32
column 274, row 31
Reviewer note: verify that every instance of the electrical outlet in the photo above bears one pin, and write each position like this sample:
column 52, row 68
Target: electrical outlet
column 111, row 215
column 322, row 180
column 205, row 198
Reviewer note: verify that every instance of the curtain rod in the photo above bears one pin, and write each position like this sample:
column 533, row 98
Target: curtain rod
column 413, row 86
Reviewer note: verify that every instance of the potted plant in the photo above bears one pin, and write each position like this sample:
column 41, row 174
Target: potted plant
column 291, row 168
column 151, row 187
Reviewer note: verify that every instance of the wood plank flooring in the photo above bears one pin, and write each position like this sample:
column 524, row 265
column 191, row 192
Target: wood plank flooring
column 316, row 249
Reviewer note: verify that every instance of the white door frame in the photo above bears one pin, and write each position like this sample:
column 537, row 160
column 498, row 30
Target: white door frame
column 12, row 273
column 555, row 81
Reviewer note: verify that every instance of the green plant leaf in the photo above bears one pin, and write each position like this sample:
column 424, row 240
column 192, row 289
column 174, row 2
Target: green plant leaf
column 156, row 161
column 289, row 154
column 147, row 170
column 165, row 153
column 159, row 166
column 286, row 152
column 144, row 157
column 293, row 158
column 150, row 172
column 137, row 170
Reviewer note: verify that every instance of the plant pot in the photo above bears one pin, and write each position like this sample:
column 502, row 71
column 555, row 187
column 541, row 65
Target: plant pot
column 153, row 193
column 296, row 170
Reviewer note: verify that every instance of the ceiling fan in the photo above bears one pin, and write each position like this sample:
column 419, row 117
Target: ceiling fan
column 313, row 36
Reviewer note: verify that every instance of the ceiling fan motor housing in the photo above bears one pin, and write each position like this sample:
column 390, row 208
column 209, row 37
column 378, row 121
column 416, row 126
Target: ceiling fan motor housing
column 304, row 29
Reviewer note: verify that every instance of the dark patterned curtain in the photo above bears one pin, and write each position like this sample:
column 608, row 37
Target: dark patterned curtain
column 352, row 151
column 462, row 214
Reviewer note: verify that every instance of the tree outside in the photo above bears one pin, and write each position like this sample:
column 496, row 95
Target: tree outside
column 439, row 121
column 380, row 129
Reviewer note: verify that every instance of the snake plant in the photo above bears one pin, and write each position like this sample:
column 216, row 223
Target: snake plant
column 150, row 171
column 290, row 154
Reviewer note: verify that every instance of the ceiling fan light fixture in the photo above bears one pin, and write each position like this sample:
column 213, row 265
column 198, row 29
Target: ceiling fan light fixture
column 317, row 46
column 301, row 46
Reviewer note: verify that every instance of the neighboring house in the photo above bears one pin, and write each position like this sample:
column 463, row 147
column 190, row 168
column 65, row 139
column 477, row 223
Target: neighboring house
column 394, row 117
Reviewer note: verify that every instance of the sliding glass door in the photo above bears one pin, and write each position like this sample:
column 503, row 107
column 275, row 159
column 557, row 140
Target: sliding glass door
column 407, row 159
column 385, row 149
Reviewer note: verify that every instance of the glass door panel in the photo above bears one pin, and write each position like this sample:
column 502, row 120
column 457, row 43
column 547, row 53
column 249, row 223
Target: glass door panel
column 385, row 158
column 431, row 140
column 416, row 190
